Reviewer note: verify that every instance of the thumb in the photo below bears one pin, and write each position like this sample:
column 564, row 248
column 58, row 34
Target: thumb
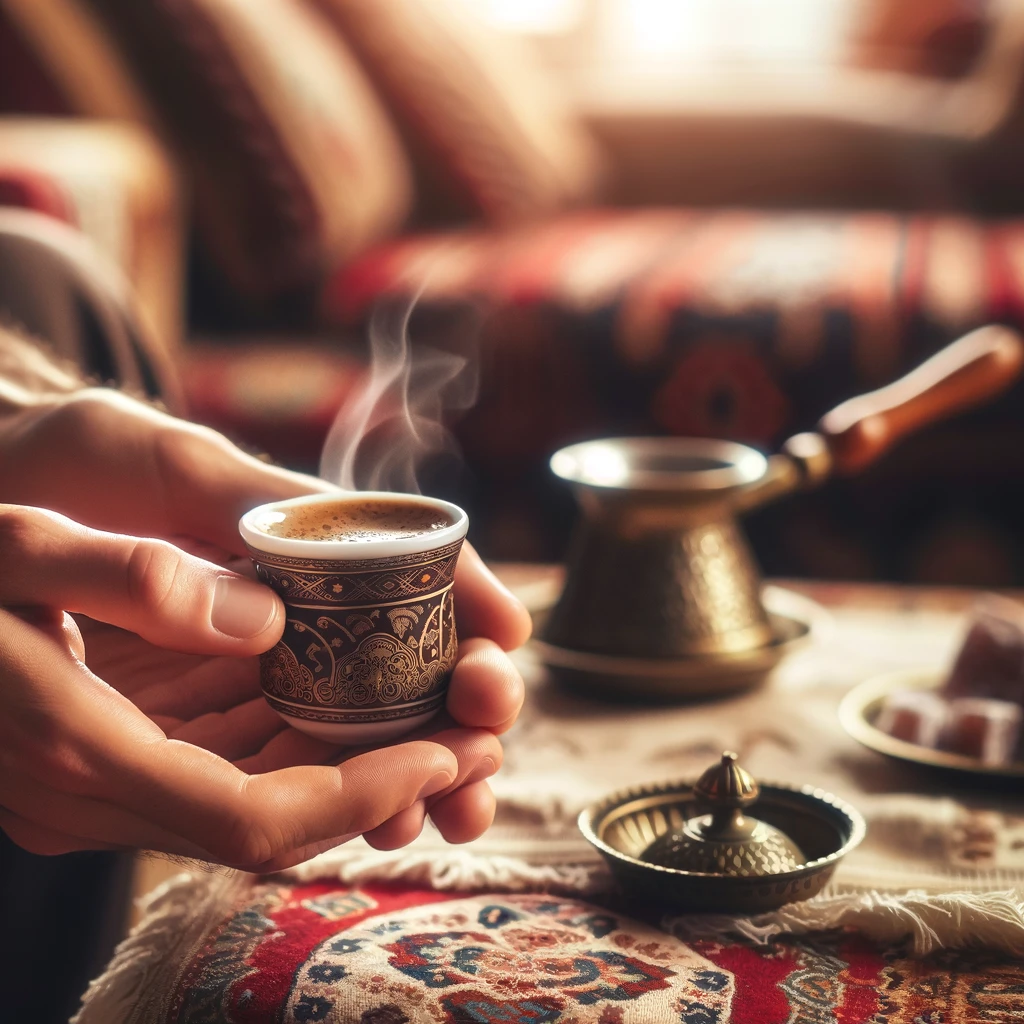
column 147, row 586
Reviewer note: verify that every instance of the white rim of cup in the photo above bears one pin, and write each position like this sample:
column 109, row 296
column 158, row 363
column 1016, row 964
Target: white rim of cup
column 352, row 550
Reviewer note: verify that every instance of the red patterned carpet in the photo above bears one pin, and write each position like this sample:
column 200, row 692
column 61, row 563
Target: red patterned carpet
column 389, row 955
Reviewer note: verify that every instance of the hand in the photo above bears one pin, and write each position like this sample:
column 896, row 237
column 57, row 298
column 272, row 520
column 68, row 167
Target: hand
column 207, row 707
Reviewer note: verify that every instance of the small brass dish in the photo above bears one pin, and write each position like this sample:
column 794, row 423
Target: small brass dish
column 860, row 708
column 793, row 619
column 789, row 846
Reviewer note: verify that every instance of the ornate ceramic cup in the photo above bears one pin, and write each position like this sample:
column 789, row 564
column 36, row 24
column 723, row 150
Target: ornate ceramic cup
column 370, row 642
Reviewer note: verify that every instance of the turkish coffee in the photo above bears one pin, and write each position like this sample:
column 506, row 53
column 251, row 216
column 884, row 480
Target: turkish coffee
column 356, row 521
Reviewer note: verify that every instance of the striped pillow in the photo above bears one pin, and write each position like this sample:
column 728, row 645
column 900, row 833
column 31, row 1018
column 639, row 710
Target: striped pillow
column 483, row 119
column 293, row 164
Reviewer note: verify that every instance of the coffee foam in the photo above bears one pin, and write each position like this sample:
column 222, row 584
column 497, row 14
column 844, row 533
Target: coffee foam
column 357, row 522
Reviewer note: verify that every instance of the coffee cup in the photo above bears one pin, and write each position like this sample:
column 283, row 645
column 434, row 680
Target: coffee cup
column 369, row 642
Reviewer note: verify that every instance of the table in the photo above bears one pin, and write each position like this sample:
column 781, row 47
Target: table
column 523, row 925
column 567, row 751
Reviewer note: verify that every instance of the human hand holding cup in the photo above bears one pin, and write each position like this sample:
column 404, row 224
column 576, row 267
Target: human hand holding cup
column 156, row 735
column 370, row 639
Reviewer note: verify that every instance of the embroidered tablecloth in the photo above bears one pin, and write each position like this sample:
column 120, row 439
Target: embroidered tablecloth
column 926, row 832
column 436, row 933
column 280, row 953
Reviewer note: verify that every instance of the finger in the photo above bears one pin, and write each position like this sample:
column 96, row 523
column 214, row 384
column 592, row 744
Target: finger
column 304, row 853
column 478, row 752
column 234, row 734
column 46, row 842
column 206, row 551
column 271, row 815
column 75, row 734
column 214, row 684
column 287, row 749
column 465, row 814
column 55, row 623
column 486, row 690
column 147, row 586
column 129, row 663
column 122, row 465
column 400, row 830
column 94, row 822
column 211, row 483
column 485, row 607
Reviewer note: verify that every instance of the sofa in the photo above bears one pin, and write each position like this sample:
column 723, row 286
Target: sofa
column 299, row 179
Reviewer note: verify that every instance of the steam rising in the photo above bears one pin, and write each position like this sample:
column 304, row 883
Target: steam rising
column 391, row 426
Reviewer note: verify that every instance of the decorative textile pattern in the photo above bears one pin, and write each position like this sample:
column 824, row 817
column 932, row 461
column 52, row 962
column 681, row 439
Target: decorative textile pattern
column 294, row 164
column 839, row 977
column 476, row 108
column 752, row 321
column 280, row 395
column 737, row 324
column 382, row 955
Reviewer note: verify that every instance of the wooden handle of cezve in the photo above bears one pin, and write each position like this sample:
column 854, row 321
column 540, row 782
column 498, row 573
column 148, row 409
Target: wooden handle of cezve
column 966, row 373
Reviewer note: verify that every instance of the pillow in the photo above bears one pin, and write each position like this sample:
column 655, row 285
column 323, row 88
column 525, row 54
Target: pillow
column 293, row 163
column 485, row 122
column 55, row 58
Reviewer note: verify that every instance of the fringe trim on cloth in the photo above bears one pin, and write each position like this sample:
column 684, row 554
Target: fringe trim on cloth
column 932, row 919
column 177, row 916
column 447, row 868
column 994, row 920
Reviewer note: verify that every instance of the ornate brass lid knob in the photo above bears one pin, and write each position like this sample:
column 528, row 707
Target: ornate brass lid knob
column 724, row 840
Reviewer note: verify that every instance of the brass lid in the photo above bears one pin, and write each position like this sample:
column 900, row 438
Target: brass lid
column 723, row 840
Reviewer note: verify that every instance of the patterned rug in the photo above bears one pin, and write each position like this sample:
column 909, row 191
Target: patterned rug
column 398, row 955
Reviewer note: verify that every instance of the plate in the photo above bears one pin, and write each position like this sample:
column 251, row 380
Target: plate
column 793, row 618
column 861, row 705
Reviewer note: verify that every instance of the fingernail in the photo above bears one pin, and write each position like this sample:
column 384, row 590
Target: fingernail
column 442, row 780
column 241, row 608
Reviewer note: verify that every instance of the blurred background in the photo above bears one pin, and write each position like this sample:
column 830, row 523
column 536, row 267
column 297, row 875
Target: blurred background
column 696, row 217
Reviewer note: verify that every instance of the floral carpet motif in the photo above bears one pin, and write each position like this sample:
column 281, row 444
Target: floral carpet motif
column 515, row 959
column 392, row 955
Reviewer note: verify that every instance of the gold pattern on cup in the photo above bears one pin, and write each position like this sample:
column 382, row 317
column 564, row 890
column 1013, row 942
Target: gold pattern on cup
column 365, row 641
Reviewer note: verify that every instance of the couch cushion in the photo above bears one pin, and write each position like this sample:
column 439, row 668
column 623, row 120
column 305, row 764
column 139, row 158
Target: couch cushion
column 277, row 394
column 730, row 323
column 293, row 162
column 737, row 324
column 491, row 131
